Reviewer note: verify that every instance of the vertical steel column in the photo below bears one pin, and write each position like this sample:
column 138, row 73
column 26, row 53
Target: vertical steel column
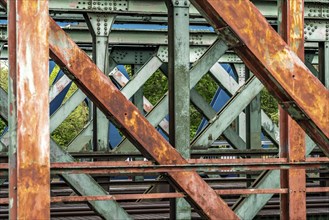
column 29, row 172
column 324, row 62
column 324, row 77
column 138, row 102
column 100, row 25
column 253, row 121
column 292, row 137
column 179, row 89
column 241, row 70
column 253, row 124
column 138, row 96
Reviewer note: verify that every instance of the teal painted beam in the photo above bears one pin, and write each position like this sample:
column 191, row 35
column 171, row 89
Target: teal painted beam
column 230, row 135
column 85, row 185
column 179, row 90
column 141, row 77
column 228, row 83
column 198, row 70
column 217, row 125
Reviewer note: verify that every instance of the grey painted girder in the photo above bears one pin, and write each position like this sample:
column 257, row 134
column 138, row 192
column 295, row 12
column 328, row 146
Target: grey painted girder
column 3, row 104
column 217, row 125
column 326, row 63
column 138, row 80
column 198, row 70
column 59, row 86
column 100, row 25
column 64, row 111
column 195, row 53
column 179, row 91
column 82, row 139
column 228, row 83
column 156, row 37
column 85, row 185
column 248, row 207
column 267, row 8
column 230, row 135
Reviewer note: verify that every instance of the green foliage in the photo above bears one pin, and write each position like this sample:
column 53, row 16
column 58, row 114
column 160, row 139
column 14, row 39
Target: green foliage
column 154, row 89
column 206, row 87
column 269, row 105
column 73, row 124
column 4, row 78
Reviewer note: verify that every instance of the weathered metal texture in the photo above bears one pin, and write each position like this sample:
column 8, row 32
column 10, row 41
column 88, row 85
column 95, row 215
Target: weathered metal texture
column 117, row 197
column 100, row 27
column 3, row 105
column 197, row 71
column 292, row 137
column 202, row 165
column 85, row 185
column 29, row 110
column 98, row 87
column 273, row 62
column 179, row 90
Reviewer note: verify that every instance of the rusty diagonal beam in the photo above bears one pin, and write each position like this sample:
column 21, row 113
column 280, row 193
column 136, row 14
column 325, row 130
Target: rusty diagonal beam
column 80, row 68
column 268, row 56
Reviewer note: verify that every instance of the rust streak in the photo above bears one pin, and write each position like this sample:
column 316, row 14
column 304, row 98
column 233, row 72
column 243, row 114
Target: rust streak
column 274, row 63
column 138, row 130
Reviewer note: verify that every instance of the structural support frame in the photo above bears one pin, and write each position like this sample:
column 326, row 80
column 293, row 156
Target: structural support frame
column 29, row 106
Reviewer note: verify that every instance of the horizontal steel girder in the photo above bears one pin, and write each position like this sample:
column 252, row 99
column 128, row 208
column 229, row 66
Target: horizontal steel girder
column 80, row 68
column 266, row 54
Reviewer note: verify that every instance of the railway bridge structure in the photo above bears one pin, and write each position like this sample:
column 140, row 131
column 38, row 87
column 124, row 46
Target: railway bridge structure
column 135, row 159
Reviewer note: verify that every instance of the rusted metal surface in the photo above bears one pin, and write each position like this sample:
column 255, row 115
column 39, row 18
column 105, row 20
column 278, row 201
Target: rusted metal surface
column 12, row 38
column 273, row 62
column 29, row 110
column 292, row 137
column 79, row 67
column 201, row 165
column 147, row 105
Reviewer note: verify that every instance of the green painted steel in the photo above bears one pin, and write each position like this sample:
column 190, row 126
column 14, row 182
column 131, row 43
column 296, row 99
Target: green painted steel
column 100, row 25
column 141, row 77
column 179, row 90
column 198, row 70
column 82, row 139
column 85, row 185
column 64, row 111
column 248, row 207
column 230, row 135
column 227, row 83
column 217, row 125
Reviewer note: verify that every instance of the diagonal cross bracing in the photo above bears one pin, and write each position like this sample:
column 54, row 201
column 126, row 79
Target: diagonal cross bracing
column 115, row 106
column 274, row 63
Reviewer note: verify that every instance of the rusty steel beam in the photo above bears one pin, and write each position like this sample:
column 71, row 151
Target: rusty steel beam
column 118, row 197
column 292, row 137
column 267, row 55
column 29, row 161
column 80, row 68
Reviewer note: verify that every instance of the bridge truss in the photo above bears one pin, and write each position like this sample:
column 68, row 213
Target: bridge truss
column 135, row 160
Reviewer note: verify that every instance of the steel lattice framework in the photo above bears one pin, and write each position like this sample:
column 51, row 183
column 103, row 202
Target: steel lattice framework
column 244, row 46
